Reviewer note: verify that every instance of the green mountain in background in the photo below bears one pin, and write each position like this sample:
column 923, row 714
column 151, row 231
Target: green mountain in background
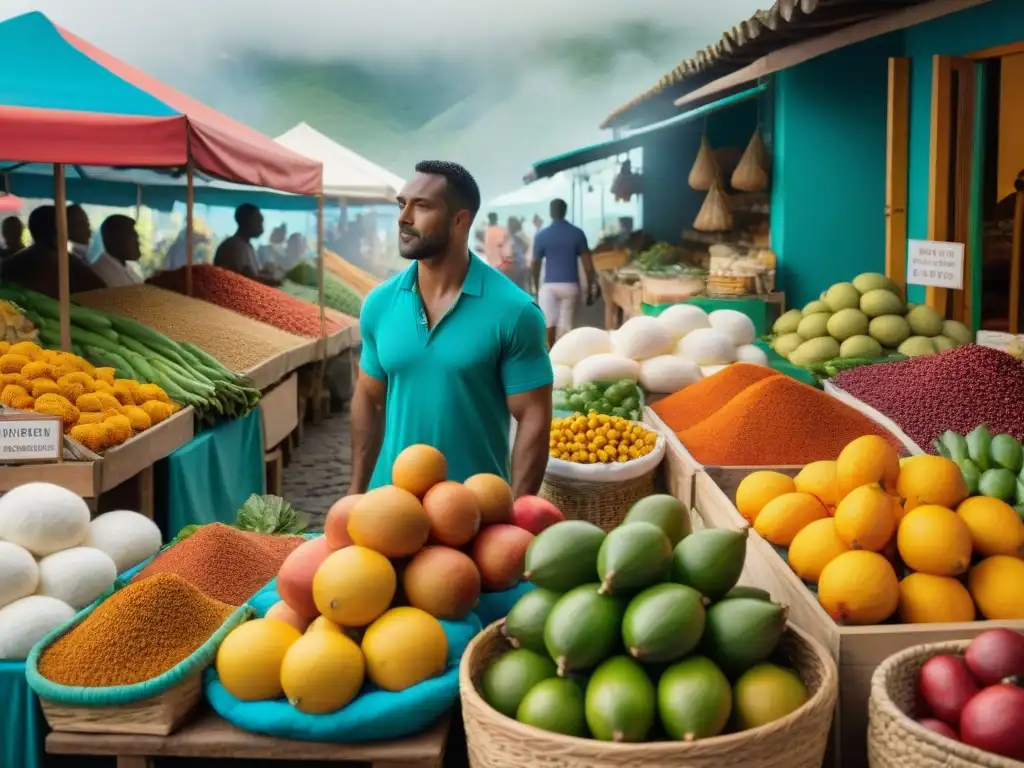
column 397, row 112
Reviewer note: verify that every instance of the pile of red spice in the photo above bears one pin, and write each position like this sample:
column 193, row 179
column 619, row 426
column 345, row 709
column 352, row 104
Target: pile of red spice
column 223, row 562
column 778, row 421
column 956, row 390
column 250, row 298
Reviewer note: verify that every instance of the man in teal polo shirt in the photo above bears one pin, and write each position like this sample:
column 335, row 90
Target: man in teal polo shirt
column 451, row 350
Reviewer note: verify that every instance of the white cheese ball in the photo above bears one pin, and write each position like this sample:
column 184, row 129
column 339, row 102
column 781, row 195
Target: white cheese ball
column 127, row 537
column 25, row 622
column 43, row 518
column 19, row 574
column 76, row 576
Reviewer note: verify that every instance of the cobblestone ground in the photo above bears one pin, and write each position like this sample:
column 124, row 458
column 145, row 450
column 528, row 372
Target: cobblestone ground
column 320, row 469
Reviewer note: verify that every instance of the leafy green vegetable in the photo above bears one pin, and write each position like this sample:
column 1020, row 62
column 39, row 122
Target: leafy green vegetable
column 185, row 532
column 269, row 514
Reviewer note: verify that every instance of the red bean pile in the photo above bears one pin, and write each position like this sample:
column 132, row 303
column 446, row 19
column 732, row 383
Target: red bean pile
column 248, row 297
column 956, row 390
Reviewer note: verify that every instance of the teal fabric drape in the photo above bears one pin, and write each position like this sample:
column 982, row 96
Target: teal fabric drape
column 210, row 477
column 22, row 729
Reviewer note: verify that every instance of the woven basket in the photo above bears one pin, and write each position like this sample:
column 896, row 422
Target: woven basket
column 796, row 741
column 894, row 739
column 603, row 504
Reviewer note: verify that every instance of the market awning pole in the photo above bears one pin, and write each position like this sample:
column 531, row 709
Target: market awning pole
column 320, row 272
column 60, row 203
column 138, row 202
column 1015, row 260
column 190, row 194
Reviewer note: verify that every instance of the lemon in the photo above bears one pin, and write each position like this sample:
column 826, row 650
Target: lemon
column 996, row 529
column 926, row 599
column 250, row 657
column 814, row 547
column 934, row 540
column 995, row 584
column 859, row 587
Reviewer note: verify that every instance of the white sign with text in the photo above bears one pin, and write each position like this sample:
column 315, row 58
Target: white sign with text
column 30, row 438
column 934, row 263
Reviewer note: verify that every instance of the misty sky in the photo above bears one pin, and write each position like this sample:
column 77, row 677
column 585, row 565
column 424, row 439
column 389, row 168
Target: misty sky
column 189, row 43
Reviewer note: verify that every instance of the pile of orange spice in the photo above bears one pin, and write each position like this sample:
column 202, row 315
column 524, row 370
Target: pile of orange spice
column 749, row 415
column 696, row 402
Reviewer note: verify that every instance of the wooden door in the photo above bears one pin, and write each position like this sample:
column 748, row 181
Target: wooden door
column 951, row 167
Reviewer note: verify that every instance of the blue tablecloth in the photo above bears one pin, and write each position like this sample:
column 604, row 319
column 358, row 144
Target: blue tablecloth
column 22, row 728
column 210, row 477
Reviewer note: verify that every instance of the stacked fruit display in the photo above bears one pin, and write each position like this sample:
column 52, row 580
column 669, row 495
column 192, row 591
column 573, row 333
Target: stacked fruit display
column 992, row 466
column 366, row 600
column 867, row 320
column 881, row 536
column 641, row 634
column 977, row 698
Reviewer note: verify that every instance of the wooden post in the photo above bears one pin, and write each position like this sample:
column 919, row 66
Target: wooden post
column 897, row 153
column 1015, row 257
column 60, row 203
column 939, row 165
column 190, row 201
column 320, row 271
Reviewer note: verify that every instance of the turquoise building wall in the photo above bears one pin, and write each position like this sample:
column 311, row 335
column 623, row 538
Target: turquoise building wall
column 829, row 150
column 670, row 206
column 828, row 180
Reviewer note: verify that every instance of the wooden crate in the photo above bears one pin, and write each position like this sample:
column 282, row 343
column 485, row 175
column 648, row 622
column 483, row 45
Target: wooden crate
column 678, row 466
column 210, row 739
column 158, row 716
column 857, row 650
column 728, row 479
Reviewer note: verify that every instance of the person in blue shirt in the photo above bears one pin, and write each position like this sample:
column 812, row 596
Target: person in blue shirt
column 451, row 350
column 558, row 250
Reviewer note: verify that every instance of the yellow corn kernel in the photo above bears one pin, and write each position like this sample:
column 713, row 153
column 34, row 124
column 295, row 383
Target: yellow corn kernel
column 95, row 437
column 11, row 393
column 29, row 349
column 149, row 392
column 139, row 419
column 156, row 410
column 13, row 363
column 44, row 387
column 120, row 427
column 57, row 405
column 90, row 403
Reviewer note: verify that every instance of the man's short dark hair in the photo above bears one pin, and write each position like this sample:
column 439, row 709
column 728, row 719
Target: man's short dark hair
column 42, row 225
column 115, row 224
column 461, row 190
column 244, row 211
column 559, row 208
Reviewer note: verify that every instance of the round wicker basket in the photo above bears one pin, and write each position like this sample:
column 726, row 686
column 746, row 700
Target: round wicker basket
column 796, row 741
column 897, row 741
column 603, row 504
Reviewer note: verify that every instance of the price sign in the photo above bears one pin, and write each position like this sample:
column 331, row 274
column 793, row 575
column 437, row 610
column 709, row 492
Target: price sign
column 26, row 438
column 934, row 263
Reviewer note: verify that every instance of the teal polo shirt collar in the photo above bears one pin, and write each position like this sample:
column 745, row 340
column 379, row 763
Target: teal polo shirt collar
column 472, row 285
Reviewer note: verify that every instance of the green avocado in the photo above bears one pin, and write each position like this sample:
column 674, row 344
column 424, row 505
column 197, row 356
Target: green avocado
column 564, row 556
column 620, row 701
column 632, row 557
column 524, row 625
column 742, row 632
column 583, row 628
column 511, row 676
column 555, row 705
column 663, row 623
column 666, row 512
column 694, row 699
column 755, row 593
column 710, row 561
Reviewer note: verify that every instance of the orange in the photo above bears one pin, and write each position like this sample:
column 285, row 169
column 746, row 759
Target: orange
column 926, row 599
column 820, row 479
column 859, row 587
column 250, row 657
column 864, row 518
column 814, row 547
column 758, row 488
column 868, row 459
column 996, row 529
column 389, row 520
column 784, row 517
column 934, row 540
column 322, row 672
column 931, row 480
column 354, row 586
column 418, row 468
column 404, row 647
column 493, row 496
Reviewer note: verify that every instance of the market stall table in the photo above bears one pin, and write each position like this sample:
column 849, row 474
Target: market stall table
column 211, row 737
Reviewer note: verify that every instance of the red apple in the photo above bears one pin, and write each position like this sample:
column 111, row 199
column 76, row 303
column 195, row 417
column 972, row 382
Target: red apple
column 534, row 514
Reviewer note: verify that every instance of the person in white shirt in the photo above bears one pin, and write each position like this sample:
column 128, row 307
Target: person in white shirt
column 120, row 252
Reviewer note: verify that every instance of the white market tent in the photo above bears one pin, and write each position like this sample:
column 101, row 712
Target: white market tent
column 537, row 192
column 347, row 174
